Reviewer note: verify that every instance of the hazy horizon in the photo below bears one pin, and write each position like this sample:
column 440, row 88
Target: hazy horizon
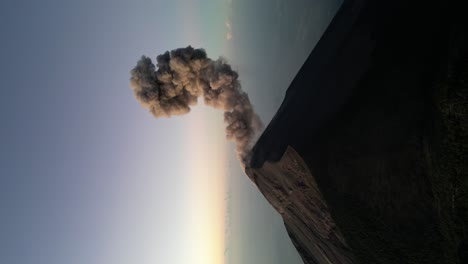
column 89, row 176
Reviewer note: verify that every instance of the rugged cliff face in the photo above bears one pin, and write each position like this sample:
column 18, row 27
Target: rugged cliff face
column 291, row 189
column 366, row 158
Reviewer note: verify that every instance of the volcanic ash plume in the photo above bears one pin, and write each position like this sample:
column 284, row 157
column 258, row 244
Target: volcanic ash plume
column 181, row 76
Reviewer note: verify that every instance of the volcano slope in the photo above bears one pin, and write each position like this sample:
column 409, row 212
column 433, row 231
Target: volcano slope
column 365, row 160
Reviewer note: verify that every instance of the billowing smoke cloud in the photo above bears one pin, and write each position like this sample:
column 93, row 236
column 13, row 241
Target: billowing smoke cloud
column 181, row 76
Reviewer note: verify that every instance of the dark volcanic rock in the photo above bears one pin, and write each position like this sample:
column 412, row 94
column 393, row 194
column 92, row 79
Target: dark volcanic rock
column 369, row 182
column 291, row 189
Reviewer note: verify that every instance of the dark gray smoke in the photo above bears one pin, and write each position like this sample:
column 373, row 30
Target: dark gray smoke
column 181, row 76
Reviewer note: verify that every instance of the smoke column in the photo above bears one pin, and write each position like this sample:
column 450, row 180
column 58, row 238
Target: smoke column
column 181, row 76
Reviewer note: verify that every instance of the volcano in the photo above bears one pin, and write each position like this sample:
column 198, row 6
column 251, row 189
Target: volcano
column 365, row 158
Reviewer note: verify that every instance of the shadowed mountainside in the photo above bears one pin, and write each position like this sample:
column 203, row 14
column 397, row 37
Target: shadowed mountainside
column 378, row 117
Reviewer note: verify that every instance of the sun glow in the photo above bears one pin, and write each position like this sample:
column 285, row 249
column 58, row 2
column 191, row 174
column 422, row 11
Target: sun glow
column 207, row 172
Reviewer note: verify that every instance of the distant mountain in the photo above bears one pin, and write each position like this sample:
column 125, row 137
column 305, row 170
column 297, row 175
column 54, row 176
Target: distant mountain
column 365, row 158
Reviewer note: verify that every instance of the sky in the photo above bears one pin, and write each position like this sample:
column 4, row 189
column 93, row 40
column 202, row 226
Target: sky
column 89, row 176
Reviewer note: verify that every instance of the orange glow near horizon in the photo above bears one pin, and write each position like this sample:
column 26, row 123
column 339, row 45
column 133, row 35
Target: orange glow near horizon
column 207, row 169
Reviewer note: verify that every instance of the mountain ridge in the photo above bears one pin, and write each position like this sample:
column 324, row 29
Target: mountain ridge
column 363, row 115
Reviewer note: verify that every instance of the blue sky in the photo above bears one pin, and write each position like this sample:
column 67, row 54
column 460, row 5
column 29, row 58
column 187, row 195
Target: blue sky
column 88, row 176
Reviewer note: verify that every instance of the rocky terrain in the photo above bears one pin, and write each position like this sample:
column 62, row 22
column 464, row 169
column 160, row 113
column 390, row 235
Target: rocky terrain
column 291, row 189
column 366, row 158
